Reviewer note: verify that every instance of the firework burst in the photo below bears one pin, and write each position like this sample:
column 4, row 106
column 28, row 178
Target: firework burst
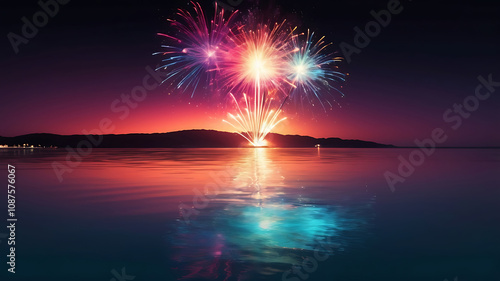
column 257, row 58
column 313, row 71
column 260, row 66
column 196, row 51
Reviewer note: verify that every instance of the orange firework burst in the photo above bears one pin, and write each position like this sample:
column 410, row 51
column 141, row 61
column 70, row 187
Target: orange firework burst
column 257, row 58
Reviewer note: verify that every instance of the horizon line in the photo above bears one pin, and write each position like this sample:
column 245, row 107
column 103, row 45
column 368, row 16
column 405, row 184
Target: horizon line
column 234, row 132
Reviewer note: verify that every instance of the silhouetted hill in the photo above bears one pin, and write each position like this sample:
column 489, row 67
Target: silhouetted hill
column 190, row 138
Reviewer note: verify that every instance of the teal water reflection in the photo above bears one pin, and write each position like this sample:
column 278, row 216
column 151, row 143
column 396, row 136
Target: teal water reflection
column 259, row 224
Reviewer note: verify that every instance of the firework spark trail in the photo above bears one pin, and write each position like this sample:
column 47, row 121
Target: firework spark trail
column 268, row 61
column 255, row 127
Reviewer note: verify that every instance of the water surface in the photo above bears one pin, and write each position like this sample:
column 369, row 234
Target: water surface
column 256, row 214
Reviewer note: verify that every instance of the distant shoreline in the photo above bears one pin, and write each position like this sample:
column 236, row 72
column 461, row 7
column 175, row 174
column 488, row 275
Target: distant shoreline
column 187, row 139
column 179, row 139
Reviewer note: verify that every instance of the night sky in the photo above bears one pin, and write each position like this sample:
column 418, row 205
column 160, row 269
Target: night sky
column 67, row 78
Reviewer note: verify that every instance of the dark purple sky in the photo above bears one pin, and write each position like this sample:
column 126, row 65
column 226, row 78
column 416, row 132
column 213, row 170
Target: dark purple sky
column 66, row 78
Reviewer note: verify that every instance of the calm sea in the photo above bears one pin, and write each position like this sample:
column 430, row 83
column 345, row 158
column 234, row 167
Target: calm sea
column 253, row 214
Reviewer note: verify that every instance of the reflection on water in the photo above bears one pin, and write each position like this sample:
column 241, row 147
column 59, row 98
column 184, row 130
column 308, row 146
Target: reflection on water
column 257, row 214
column 259, row 224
